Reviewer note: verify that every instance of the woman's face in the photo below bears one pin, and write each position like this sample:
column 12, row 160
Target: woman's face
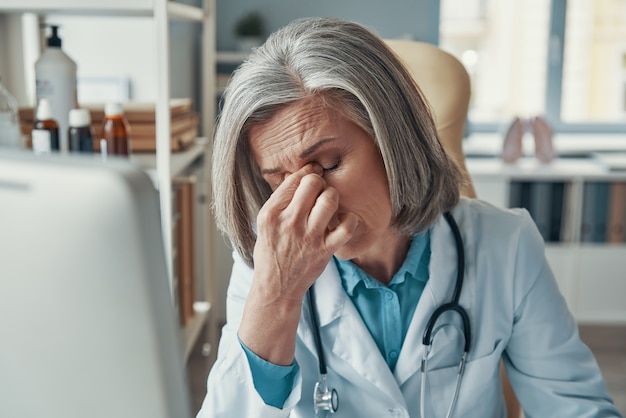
column 309, row 132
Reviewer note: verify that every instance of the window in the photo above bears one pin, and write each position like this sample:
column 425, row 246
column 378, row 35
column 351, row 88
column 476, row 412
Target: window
column 594, row 69
column 563, row 60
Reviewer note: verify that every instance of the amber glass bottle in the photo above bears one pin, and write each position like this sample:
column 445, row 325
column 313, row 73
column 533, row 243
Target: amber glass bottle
column 45, row 133
column 115, row 131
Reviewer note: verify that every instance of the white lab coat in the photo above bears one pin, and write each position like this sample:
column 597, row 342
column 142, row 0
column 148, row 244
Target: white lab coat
column 516, row 313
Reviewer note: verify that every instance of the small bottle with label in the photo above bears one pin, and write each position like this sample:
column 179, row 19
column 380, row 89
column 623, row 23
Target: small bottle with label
column 45, row 133
column 115, row 131
column 79, row 134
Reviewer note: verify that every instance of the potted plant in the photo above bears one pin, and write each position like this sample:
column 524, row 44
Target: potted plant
column 249, row 31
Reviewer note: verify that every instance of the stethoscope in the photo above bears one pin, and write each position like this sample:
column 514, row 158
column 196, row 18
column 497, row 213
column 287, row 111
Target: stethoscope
column 326, row 399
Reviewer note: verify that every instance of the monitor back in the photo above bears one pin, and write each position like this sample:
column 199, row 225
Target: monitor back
column 87, row 324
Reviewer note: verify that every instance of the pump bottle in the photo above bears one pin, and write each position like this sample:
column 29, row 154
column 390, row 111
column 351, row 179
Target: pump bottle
column 55, row 74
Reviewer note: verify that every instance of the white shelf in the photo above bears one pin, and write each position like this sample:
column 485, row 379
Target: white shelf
column 614, row 161
column 231, row 57
column 179, row 11
column 566, row 145
column 527, row 168
column 176, row 11
column 532, row 168
column 179, row 161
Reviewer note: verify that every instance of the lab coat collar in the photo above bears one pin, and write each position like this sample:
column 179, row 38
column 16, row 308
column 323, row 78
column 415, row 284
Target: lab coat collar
column 342, row 328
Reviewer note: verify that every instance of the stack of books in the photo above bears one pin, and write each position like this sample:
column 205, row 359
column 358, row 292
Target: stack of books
column 550, row 205
column 141, row 118
column 546, row 202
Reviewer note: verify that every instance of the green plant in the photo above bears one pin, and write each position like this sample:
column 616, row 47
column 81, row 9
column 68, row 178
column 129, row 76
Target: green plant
column 250, row 25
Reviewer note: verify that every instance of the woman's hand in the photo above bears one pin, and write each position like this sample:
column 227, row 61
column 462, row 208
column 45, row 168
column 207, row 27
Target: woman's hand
column 298, row 231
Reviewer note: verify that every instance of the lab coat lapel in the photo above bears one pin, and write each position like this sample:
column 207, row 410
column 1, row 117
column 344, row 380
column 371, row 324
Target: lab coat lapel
column 438, row 290
column 342, row 328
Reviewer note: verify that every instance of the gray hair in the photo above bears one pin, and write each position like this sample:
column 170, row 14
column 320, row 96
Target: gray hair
column 364, row 81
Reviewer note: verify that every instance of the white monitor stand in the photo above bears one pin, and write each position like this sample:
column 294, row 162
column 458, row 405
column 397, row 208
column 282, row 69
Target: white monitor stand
column 87, row 323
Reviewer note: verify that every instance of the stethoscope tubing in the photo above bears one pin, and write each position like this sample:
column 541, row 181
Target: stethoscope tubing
column 316, row 335
column 453, row 305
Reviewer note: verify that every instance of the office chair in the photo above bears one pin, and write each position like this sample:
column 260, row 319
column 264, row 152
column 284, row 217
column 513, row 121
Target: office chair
column 446, row 85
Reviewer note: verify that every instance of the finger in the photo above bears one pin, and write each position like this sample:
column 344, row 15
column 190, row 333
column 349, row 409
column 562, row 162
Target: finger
column 283, row 195
column 342, row 233
column 306, row 195
column 324, row 211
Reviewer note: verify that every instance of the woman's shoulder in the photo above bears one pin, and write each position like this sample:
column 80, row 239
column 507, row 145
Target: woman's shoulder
column 499, row 230
column 484, row 217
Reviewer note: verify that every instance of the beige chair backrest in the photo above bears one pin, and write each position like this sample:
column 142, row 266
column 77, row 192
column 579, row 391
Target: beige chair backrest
column 446, row 85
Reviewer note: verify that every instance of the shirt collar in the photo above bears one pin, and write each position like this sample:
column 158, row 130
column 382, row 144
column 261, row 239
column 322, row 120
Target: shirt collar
column 418, row 255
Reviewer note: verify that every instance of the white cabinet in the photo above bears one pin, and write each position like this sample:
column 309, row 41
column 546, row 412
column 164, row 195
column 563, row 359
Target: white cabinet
column 591, row 273
column 163, row 165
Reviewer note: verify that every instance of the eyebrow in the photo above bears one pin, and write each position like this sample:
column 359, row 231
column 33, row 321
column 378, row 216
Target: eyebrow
column 303, row 155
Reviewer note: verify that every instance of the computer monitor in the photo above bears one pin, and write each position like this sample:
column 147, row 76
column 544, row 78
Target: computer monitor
column 87, row 323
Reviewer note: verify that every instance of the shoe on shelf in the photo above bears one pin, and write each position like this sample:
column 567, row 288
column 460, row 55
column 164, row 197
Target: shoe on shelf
column 512, row 146
column 542, row 132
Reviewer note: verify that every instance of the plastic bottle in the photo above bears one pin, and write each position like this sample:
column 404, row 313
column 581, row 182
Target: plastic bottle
column 46, row 130
column 80, row 136
column 115, row 131
column 55, row 73
column 10, row 136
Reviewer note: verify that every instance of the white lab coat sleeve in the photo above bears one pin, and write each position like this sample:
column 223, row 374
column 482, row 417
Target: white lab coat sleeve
column 230, row 389
column 552, row 372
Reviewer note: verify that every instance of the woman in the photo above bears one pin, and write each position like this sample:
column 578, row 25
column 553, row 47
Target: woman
column 328, row 174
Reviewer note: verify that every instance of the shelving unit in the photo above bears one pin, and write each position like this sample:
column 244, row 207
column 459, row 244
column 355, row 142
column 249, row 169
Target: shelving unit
column 230, row 60
column 180, row 161
column 590, row 274
column 230, row 57
column 164, row 165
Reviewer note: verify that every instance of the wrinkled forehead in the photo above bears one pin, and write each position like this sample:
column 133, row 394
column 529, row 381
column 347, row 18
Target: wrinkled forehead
column 290, row 131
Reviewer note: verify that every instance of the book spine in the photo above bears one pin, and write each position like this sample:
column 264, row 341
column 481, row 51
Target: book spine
column 540, row 207
column 589, row 202
column 185, row 247
column 556, row 211
column 515, row 194
column 616, row 223
column 601, row 212
column 567, row 221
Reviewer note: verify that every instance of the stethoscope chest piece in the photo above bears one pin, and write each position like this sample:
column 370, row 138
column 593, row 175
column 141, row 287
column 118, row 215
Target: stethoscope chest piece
column 325, row 399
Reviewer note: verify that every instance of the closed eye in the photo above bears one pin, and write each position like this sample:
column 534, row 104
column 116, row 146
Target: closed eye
column 331, row 168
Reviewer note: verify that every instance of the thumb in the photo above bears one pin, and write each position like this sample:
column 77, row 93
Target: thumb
column 342, row 233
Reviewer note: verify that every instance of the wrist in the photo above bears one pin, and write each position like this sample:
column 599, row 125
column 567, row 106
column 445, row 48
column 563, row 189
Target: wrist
column 269, row 326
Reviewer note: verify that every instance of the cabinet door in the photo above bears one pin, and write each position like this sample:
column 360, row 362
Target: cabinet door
column 602, row 285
